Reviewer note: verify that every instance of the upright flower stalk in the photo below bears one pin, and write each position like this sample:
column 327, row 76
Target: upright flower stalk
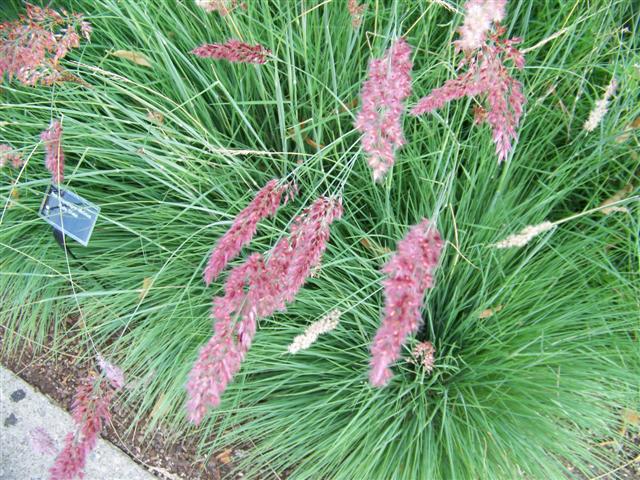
column 486, row 75
column 265, row 204
column 409, row 273
column 383, row 95
column 54, row 156
column 256, row 289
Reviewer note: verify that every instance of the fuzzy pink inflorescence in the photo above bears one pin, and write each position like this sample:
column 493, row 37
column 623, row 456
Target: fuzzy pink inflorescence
column 233, row 51
column 112, row 372
column 486, row 75
column 32, row 46
column 54, row 156
column 383, row 95
column 256, row 289
column 480, row 14
column 7, row 154
column 223, row 7
column 90, row 412
column 409, row 273
column 265, row 204
column 356, row 11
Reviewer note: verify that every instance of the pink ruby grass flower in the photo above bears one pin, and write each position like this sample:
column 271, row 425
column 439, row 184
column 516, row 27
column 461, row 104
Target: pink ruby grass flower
column 256, row 289
column 265, row 204
column 32, row 46
column 486, row 76
column 54, row 157
column 90, row 412
column 480, row 15
column 234, row 51
column 223, row 7
column 7, row 154
column 409, row 273
column 382, row 97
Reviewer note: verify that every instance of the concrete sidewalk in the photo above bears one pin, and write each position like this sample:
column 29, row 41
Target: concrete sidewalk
column 23, row 410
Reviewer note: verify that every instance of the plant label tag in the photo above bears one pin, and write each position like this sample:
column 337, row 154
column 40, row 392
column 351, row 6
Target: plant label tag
column 69, row 214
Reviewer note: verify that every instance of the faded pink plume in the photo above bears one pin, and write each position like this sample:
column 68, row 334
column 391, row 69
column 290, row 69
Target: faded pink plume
column 54, row 156
column 383, row 94
column 487, row 76
column 256, row 289
column 90, row 411
column 480, row 14
column 112, row 372
column 265, row 204
column 409, row 273
column 233, row 51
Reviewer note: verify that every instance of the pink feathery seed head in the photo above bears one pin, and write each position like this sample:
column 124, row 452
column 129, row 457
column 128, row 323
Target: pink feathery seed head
column 90, row 411
column 54, row 156
column 356, row 11
column 233, row 51
column 223, row 7
column 246, row 298
column 488, row 77
column 32, row 46
column 382, row 98
column 265, row 204
column 7, row 154
column 253, row 290
column 409, row 273
column 112, row 372
column 307, row 243
column 217, row 363
column 480, row 14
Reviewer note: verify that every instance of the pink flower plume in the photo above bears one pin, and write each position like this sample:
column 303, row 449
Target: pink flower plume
column 383, row 94
column 90, row 412
column 256, row 289
column 234, row 51
column 487, row 76
column 112, row 372
column 480, row 14
column 409, row 273
column 54, row 156
column 32, row 46
column 265, row 204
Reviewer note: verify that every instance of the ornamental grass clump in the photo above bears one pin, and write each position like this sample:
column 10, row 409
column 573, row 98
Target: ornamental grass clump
column 486, row 75
column 535, row 388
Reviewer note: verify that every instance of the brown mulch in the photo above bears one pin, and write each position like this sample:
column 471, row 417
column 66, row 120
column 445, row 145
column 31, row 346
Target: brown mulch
column 57, row 377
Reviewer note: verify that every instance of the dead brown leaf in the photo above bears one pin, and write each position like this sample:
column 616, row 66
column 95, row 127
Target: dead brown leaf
column 224, row 456
column 146, row 285
column 135, row 57
column 616, row 197
column 490, row 311
column 155, row 117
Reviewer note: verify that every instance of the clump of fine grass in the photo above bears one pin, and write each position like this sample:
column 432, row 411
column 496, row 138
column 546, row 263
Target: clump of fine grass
column 527, row 390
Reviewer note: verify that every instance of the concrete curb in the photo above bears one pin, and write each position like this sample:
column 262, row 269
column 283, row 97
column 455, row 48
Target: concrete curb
column 23, row 410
